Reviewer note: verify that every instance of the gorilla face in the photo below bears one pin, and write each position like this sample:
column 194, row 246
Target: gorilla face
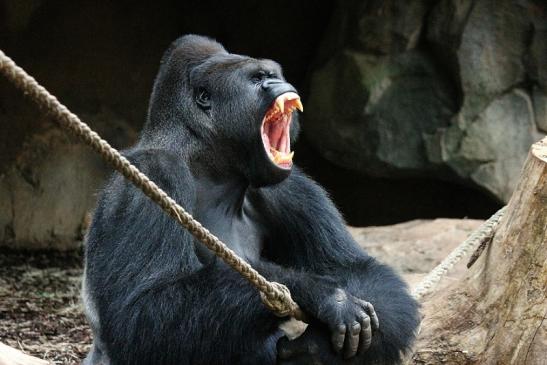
column 242, row 108
column 251, row 109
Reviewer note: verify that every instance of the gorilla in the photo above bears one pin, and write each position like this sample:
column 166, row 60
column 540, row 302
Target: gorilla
column 218, row 139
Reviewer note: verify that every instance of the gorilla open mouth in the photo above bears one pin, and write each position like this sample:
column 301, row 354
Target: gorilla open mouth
column 276, row 126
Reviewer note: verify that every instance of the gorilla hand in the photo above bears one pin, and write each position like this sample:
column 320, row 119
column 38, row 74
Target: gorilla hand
column 311, row 348
column 351, row 321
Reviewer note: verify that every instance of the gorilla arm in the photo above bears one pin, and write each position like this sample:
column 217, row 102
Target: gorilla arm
column 149, row 287
column 309, row 234
column 155, row 301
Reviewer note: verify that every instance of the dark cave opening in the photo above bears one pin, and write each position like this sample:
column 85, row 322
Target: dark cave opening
column 367, row 201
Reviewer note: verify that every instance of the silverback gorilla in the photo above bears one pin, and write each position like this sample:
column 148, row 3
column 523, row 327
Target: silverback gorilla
column 218, row 139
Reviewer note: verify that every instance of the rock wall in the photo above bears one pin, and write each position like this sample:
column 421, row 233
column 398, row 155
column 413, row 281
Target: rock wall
column 47, row 192
column 452, row 89
column 407, row 95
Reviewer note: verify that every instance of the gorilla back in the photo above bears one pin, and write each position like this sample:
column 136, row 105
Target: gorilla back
column 218, row 139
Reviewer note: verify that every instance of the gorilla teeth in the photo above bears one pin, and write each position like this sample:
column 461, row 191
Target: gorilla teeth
column 299, row 105
column 280, row 157
column 280, row 104
column 290, row 98
column 284, row 104
column 276, row 126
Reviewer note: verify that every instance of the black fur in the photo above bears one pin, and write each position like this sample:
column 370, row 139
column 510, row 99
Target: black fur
column 155, row 296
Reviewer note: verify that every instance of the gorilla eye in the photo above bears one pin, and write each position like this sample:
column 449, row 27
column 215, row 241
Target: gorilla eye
column 259, row 76
column 203, row 98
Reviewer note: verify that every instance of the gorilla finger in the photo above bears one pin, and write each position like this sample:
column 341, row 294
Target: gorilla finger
column 366, row 334
column 371, row 313
column 352, row 340
column 338, row 337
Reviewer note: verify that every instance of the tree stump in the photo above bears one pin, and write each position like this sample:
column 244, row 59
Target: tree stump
column 11, row 356
column 497, row 313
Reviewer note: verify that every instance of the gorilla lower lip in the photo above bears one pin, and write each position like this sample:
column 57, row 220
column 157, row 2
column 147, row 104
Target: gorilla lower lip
column 275, row 129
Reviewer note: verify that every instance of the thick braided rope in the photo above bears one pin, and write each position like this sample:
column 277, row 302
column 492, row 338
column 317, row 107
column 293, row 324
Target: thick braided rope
column 434, row 277
column 275, row 296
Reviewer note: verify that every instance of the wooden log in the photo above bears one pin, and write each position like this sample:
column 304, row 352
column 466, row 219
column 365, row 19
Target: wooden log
column 11, row 356
column 497, row 313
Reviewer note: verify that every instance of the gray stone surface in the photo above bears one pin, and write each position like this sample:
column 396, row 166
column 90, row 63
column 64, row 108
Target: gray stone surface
column 536, row 59
column 369, row 113
column 445, row 25
column 490, row 55
column 388, row 26
column 456, row 92
column 490, row 150
column 540, row 109
column 48, row 190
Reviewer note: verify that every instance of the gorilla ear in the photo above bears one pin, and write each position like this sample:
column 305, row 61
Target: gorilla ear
column 194, row 49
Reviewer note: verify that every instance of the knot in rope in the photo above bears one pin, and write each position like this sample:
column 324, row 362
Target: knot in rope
column 274, row 300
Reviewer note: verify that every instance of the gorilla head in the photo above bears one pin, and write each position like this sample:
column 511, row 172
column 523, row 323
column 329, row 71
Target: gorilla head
column 229, row 113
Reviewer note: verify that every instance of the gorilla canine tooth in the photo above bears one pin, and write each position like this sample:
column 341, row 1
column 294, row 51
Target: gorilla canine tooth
column 290, row 98
column 280, row 103
column 299, row 105
column 279, row 157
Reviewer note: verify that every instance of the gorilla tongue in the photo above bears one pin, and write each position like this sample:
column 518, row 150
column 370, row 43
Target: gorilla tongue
column 275, row 128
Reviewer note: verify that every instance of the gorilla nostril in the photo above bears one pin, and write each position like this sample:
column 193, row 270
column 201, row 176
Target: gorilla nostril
column 270, row 83
column 266, row 84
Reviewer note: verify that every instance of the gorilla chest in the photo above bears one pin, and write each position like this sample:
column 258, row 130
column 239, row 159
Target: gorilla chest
column 240, row 230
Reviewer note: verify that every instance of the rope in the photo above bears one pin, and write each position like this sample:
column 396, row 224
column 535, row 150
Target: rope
column 274, row 295
column 434, row 277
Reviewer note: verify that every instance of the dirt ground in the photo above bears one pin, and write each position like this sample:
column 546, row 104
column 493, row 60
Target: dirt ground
column 41, row 314
column 40, row 311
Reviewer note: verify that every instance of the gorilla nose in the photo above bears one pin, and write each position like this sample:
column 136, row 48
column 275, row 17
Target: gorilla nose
column 277, row 87
column 269, row 83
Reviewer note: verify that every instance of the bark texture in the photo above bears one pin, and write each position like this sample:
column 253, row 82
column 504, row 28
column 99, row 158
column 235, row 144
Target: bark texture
column 497, row 313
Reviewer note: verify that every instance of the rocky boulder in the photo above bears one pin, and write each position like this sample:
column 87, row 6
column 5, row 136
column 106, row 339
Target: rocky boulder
column 48, row 189
column 369, row 113
column 449, row 89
